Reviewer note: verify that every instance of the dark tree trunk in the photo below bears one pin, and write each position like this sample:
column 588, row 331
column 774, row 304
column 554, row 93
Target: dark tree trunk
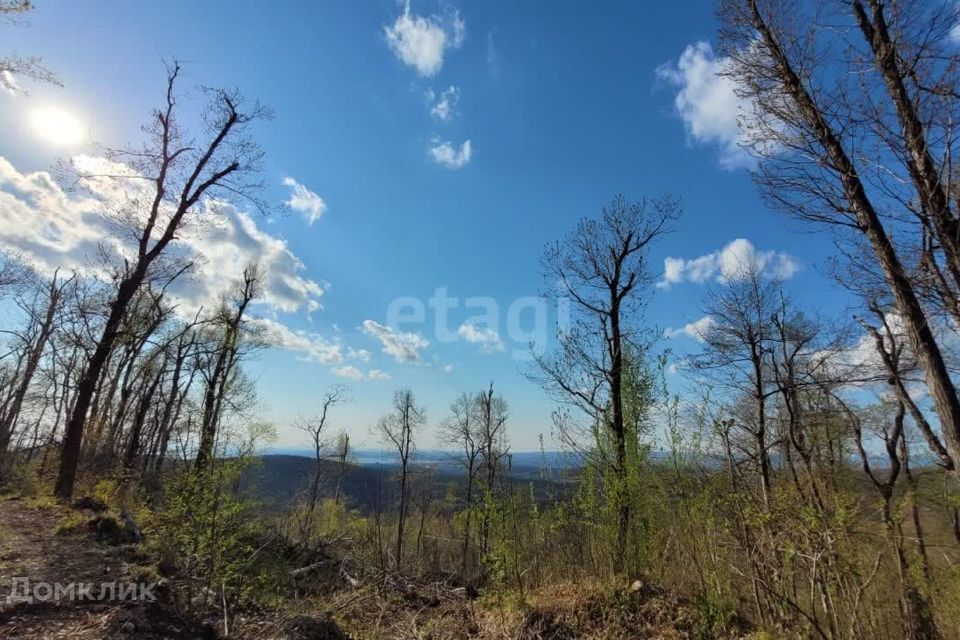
column 87, row 385
column 921, row 336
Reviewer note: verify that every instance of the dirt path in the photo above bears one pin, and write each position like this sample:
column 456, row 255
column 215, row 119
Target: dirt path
column 31, row 548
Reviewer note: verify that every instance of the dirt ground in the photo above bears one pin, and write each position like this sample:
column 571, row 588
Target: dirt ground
column 47, row 543
column 36, row 543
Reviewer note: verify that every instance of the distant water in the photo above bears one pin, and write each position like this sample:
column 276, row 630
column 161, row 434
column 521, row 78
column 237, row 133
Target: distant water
column 376, row 457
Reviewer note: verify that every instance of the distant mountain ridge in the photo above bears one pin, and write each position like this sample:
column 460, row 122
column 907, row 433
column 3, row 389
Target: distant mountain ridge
column 441, row 457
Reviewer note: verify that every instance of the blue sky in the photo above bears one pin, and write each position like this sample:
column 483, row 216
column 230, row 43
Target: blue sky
column 562, row 107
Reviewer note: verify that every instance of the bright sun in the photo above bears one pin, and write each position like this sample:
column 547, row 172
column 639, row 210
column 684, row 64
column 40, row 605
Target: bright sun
column 57, row 126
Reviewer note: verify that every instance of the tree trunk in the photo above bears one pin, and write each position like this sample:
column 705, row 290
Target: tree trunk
column 87, row 385
column 403, row 511
column 621, row 562
column 921, row 336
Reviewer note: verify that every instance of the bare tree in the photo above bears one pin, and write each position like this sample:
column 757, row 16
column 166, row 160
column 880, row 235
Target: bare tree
column 232, row 334
column 491, row 421
column 602, row 266
column 460, row 431
column 180, row 174
column 737, row 347
column 343, row 454
column 318, row 428
column 398, row 429
column 14, row 65
column 42, row 314
column 854, row 129
column 915, row 607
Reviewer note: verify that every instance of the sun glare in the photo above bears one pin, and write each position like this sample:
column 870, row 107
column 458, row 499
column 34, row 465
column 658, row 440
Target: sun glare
column 57, row 126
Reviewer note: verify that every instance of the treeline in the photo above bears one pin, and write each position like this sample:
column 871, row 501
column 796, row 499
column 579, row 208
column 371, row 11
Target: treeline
column 106, row 369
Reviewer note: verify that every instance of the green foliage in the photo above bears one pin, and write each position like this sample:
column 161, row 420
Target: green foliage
column 208, row 529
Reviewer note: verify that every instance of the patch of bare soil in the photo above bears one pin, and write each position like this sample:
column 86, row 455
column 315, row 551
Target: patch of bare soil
column 36, row 545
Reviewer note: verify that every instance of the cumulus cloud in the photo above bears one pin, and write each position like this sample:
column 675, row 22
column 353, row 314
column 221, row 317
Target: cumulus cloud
column 404, row 347
column 734, row 262
column 696, row 330
column 311, row 347
column 353, row 373
column 304, row 201
column 49, row 228
column 349, row 371
column 447, row 155
column 707, row 102
column 488, row 339
column 422, row 41
column 444, row 105
column 231, row 240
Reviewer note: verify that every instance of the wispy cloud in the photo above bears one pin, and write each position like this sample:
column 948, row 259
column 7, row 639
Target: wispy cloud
column 493, row 56
column 447, row 155
column 696, row 330
column 404, row 347
column 304, row 201
column 443, row 106
column 359, row 354
column 488, row 339
column 310, row 347
column 421, row 41
column 735, row 261
column 8, row 82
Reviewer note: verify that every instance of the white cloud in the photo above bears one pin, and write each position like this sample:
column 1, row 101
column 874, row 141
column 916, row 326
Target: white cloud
column 696, row 330
column 707, row 102
column 304, row 201
column 353, row 373
column 447, row 155
column 734, row 262
column 231, row 240
column 348, row 371
column 487, row 338
column 422, row 41
column 404, row 347
column 312, row 347
column 8, row 82
column 448, row 368
column 359, row 354
column 444, row 105
column 50, row 228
